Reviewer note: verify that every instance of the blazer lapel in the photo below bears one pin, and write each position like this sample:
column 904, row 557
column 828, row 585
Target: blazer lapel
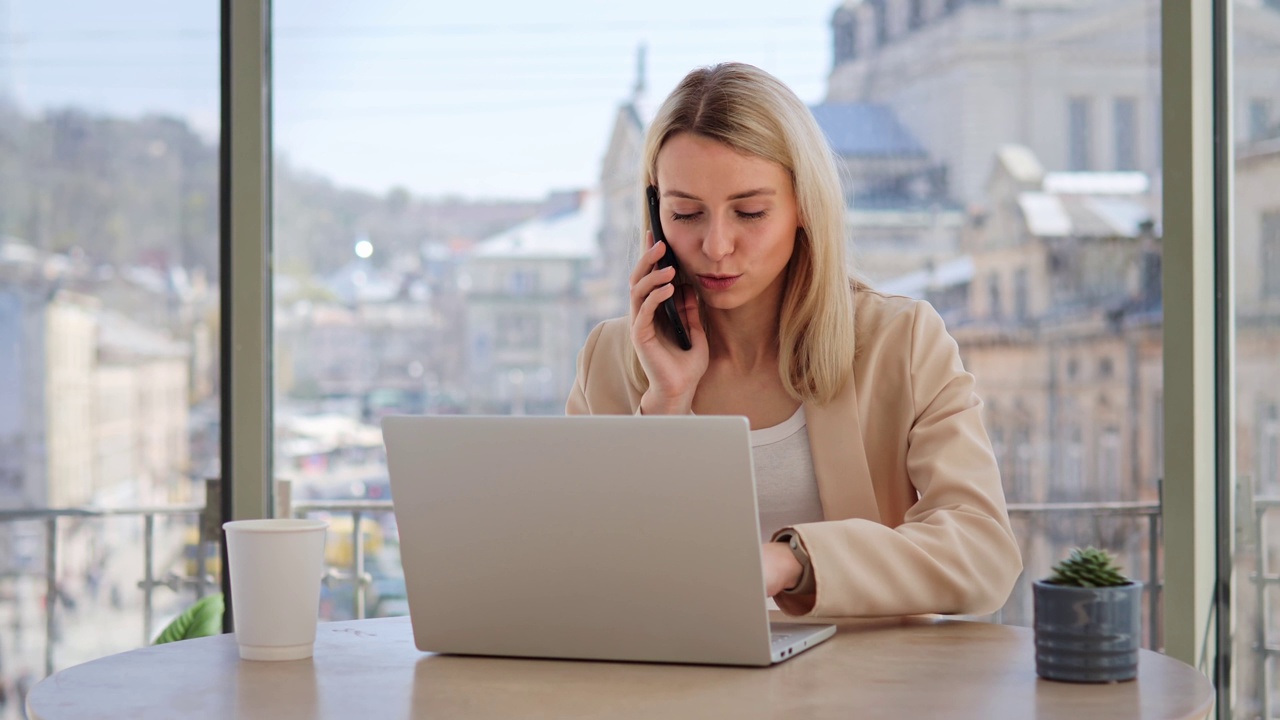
column 840, row 458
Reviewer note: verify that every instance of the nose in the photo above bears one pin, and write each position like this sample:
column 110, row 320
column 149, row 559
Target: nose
column 718, row 242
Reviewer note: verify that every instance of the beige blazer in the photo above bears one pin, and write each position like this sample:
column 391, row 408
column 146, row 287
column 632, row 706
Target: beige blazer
column 915, row 517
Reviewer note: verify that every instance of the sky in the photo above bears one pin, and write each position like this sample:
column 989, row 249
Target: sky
column 479, row 100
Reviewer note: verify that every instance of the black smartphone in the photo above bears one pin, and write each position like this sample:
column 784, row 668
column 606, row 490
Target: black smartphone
column 668, row 259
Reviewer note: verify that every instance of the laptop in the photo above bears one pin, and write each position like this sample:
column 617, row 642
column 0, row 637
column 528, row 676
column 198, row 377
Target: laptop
column 586, row 537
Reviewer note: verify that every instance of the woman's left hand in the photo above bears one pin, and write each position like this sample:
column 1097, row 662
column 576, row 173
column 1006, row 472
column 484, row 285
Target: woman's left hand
column 781, row 568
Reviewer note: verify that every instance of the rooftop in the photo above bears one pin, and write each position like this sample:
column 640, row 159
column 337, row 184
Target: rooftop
column 566, row 235
column 1097, row 183
column 1057, row 215
column 866, row 130
column 957, row 271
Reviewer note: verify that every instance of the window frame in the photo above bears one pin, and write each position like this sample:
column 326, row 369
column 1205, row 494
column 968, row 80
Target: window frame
column 1124, row 124
column 1080, row 133
column 1269, row 254
column 1197, row 340
column 1191, row 69
column 244, row 283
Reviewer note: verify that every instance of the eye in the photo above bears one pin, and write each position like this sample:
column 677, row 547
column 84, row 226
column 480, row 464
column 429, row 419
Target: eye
column 752, row 216
column 684, row 218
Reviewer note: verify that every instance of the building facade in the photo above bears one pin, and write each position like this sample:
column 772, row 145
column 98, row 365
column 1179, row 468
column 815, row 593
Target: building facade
column 1055, row 305
column 526, row 309
column 1075, row 81
column 1257, row 234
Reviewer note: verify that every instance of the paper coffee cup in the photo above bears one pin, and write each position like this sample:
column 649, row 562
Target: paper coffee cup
column 276, row 566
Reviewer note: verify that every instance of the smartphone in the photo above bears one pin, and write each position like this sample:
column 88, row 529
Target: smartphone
column 668, row 259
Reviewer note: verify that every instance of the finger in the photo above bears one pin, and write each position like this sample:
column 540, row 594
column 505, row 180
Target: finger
column 647, row 260
column 646, row 285
column 643, row 324
column 643, row 267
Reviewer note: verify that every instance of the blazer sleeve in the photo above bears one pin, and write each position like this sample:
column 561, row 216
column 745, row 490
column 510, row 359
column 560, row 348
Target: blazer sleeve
column 955, row 551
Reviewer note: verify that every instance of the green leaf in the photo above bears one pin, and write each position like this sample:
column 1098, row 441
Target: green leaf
column 202, row 619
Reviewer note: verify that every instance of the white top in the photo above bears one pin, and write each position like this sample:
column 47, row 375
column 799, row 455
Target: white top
column 786, row 487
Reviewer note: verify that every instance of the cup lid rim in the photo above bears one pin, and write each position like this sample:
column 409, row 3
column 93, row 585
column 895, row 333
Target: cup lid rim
column 276, row 524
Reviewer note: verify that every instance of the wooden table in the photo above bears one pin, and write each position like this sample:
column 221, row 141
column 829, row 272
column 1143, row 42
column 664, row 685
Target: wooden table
column 901, row 668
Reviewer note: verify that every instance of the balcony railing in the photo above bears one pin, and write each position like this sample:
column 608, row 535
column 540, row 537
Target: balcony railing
column 51, row 519
column 1147, row 512
column 357, row 576
column 1264, row 579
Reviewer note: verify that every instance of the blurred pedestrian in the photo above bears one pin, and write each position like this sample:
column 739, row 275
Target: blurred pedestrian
column 21, row 687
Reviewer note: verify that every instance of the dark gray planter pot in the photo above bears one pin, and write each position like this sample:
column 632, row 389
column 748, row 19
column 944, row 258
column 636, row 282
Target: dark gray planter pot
column 1087, row 634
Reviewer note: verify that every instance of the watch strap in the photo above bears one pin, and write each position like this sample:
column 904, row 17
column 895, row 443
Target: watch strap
column 805, row 585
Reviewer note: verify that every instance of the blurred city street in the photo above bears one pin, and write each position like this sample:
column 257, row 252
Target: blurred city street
column 93, row 618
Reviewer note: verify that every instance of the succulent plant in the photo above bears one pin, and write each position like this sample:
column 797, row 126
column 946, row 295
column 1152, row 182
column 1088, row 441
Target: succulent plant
column 1088, row 568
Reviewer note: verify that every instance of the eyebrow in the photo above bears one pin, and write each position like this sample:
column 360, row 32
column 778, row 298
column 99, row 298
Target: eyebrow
column 737, row 196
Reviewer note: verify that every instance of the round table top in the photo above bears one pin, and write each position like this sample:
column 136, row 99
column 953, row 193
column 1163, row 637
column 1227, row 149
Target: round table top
column 906, row 667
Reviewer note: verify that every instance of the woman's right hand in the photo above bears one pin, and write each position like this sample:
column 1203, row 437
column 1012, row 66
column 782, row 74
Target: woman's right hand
column 673, row 373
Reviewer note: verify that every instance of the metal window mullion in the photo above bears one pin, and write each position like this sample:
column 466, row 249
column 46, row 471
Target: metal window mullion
column 1190, row 517
column 51, row 591
column 246, row 279
column 1224, row 349
column 244, row 227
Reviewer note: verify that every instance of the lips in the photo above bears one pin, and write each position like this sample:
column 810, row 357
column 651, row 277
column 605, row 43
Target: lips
column 717, row 282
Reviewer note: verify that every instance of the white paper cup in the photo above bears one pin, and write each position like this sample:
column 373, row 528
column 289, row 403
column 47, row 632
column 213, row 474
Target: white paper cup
column 276, row 566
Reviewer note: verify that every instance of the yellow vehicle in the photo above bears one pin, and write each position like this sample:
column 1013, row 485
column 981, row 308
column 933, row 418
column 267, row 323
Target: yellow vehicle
column 212, row 554
column 339, row 551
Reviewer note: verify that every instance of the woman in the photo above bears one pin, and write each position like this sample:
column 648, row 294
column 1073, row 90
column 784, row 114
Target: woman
column 877, row 486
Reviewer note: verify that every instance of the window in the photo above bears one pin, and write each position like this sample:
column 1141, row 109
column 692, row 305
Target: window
column 1270, row 254
column 1157, row 435
column 474, row 235
column 522, row 282
column 1023, row 455
column 1155, row 112
column 994, row 302
column 1070, row 486
column 1126, row 133
column 915, row 14
column 109, row 315
column 1021, row 310
column 71, row 58
column 881, row 10
column 844, row 35
column 1268, row 482
column 1001, row 452
column 1107, row 477
column 1259, row 118
column 1255, row 607
column 1079, row 130
column 1106, row 368
column 518, row 331
column 447, row 250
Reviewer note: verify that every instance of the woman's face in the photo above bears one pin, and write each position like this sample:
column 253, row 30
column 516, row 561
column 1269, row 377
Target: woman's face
column 730, row 217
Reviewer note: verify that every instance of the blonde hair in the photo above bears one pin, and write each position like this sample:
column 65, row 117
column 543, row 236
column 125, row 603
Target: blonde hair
column 753, row 112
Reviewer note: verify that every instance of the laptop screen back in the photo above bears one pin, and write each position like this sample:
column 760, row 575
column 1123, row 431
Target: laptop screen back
column 619, row 538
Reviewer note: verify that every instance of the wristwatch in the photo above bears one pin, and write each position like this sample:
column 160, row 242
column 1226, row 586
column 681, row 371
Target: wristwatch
column 805, row 585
